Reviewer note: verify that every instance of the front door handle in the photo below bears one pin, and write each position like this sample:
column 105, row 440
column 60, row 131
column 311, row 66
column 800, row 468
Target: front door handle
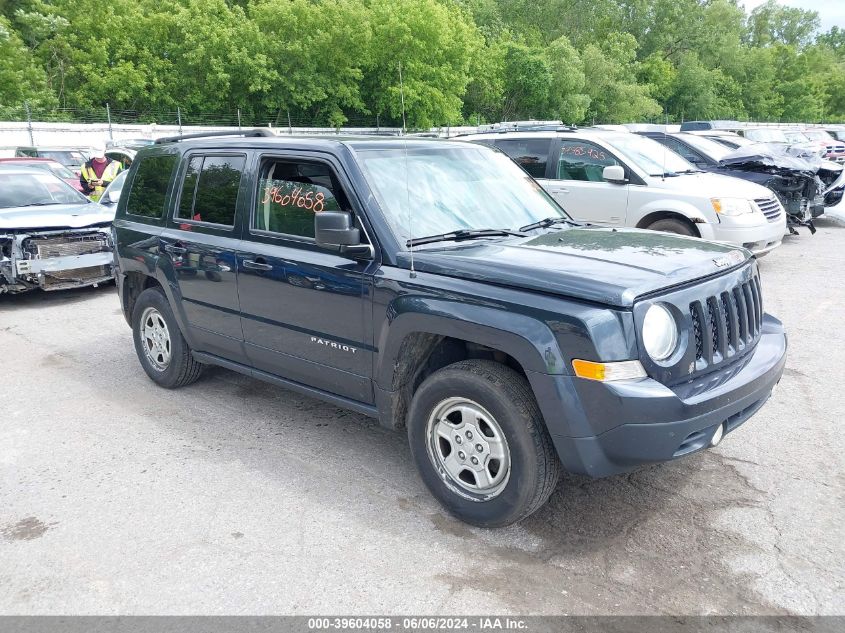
column 257, row 264
column 561, row 190
column 175, row 249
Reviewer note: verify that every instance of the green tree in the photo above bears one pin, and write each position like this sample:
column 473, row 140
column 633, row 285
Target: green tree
column 611, row 82
column 772, row 23
column 436, row 43
column 21, row 77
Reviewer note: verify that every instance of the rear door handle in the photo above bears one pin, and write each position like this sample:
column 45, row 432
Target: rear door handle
column 175, row 249
column 257, row 264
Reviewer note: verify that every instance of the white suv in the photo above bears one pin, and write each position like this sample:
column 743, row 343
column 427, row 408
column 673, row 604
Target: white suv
column 622, row 179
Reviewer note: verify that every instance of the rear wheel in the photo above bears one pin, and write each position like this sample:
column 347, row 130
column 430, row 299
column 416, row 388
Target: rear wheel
column 159, row 343
column 480, row 443
column 671, row 225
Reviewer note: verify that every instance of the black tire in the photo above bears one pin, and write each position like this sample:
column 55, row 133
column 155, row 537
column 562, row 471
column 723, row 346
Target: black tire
column 671, row 225
column 182, row 369
column 507, row 396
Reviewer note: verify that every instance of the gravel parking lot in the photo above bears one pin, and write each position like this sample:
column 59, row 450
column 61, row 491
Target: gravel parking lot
column 232, row 496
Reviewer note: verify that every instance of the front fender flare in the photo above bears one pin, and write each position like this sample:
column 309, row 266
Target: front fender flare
column 529, row 341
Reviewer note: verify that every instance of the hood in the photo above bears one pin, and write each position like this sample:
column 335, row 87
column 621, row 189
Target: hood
column 707, row 185
column 609, row 266
column 54, row 216
column 768, row 155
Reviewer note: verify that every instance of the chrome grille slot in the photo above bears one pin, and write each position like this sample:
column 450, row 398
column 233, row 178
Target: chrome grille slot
column 770, row 208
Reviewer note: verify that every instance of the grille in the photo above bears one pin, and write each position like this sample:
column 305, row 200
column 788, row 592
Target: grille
column 726, row 324
column 770, row 208
column 66, row 245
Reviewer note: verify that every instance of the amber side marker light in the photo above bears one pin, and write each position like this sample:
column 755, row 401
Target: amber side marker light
column 604, row 372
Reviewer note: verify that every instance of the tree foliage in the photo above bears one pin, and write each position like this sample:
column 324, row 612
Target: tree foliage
column 329, row 61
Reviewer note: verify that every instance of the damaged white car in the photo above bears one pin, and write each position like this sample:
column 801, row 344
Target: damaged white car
column 51, row 236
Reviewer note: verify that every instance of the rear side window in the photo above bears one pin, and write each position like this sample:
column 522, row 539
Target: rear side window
column 148, row 193
column 291, row 192
column 531, row 153
column 210, row 189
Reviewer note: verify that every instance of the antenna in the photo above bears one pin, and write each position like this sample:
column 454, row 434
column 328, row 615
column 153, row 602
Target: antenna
column 402, row 96
column 665, row 127
column 407, row 185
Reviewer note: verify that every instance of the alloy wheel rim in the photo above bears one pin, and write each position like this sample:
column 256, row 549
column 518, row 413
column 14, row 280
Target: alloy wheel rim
column 468, row 448
column 155, row 338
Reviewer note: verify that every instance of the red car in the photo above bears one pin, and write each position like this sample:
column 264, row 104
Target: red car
column 47, row 164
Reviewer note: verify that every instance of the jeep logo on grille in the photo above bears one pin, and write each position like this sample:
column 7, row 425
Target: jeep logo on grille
column 731, row 259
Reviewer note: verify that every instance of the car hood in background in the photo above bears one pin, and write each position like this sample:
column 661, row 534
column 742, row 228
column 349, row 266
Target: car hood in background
column 769, row 155
column 54, row 216
column 706, row 184
column 609, row 266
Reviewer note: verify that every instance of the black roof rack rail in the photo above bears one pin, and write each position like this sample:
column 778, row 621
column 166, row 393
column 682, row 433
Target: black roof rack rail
column 258, row 131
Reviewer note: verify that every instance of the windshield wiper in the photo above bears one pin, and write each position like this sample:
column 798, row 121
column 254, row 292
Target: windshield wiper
column 462, row 234
column 690, row 171
column 665, row 174
column 547, row 222
column 43, row 204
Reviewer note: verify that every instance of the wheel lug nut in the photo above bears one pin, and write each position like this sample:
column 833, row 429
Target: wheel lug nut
column 474, row 460
column 469, row 435
column 458, row 439
column 461, row 455
column 479, row 447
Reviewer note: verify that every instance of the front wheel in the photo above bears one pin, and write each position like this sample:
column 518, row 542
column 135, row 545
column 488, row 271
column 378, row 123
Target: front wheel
column 480, row 443
column 671, row 225
column 161, row 348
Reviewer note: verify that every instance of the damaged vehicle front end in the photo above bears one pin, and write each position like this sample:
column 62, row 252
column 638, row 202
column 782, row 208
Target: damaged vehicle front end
column 805, row 185
column 51, row 237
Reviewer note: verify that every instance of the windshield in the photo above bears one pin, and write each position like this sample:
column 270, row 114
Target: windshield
column 796, row 137
column 56, row 168
column 710, row 148
column 24, row 189
column 116, row 185
column 65, row 157
column 817, row 135
column 767, row 136
column 450, row 188
column 650, row 156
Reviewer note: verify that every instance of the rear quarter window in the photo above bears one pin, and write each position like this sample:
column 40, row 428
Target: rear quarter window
column 148, row 191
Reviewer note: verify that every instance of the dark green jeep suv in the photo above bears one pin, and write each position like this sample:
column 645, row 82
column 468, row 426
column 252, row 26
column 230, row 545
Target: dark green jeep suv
column 433, row 285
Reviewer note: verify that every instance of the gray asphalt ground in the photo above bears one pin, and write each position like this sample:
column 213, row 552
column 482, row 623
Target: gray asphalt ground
column 235, row 497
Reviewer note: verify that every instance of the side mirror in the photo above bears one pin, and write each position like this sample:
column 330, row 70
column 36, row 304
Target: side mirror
column 614, row 174
column 334, row 228
column 111, row 197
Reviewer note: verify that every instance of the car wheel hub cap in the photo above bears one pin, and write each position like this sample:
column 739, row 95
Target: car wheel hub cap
column 468, row 448
column 155, row 338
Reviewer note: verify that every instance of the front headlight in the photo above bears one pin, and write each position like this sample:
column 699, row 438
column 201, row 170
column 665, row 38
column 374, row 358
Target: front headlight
column 731, row 206
column 660, row 332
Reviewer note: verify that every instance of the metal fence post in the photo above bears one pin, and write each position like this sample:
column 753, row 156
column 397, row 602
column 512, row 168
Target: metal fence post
column 108, row 116
column 290, row 127
column 179, row 119
column 239, row 119
column 29, row 122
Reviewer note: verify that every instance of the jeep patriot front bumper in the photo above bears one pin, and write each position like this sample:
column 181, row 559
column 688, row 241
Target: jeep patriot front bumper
column 613, row 427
